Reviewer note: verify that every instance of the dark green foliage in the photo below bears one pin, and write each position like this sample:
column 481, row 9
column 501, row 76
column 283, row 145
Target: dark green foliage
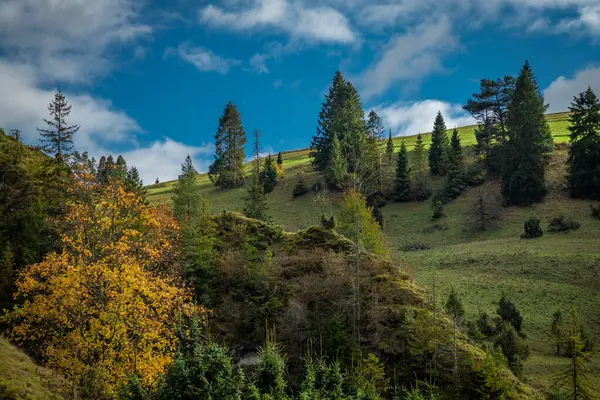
column 562, row 224
column 323, row 380
column 134, row 390
column 455, row 182
column 269, row 378
column 389, row 148
column 328, row 223
column 7, row 276
column 454, row 306
column 583, row 176
column 188, row 204
column 321, row 142
column 317, row 187
column 227, row 169
column 595, row 209
column 268, row 175
column 487, row 325
column 508, row 312
column 300, row 188
column 523, row 176
column 402, row 178
column 57, row 140
column 557, row 330
column 378, row 216
column 438, row 151
column 419, row 185
column 200, row 370
column 532, row 229
column 415, row 246
column 437, row 206
column 483, row 210
column 157, row 181
column 255, row 200
column 474, row 174
column 279, row 159
column 513, row 348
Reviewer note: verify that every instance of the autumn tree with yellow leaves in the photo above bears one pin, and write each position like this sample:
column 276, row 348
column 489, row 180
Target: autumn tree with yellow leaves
column 104, row 307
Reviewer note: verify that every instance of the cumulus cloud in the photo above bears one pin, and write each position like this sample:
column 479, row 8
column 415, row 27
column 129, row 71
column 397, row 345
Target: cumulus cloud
column 409, row 57
column 163, row 159
column 410, row 118
column 320, row 23
column 561, row 91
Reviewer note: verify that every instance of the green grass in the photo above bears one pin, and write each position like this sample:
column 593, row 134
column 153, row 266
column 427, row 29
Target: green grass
column 22, row 379
column 540, row 275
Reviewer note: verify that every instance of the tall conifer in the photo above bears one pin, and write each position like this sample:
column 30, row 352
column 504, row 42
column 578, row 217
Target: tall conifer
column 402, row 179
column 230, row 138
column 389, row 148
column 523, row 178
column 255, row 200
column 57, row 140
column 439, row 146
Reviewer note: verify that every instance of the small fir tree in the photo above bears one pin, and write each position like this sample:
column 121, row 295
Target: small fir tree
column 389, row 147
column 57, row 139
column 402, row 179
column 419, row 185
column 268, row 175
column 557, row 331
column 255, row 200
column 456, row 311
column 574, row 375
column 455, row 182
column 279, row 159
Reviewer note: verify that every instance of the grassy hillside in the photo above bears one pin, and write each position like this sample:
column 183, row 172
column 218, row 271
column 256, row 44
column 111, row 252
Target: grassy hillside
column 21, row 379
column 541, row 275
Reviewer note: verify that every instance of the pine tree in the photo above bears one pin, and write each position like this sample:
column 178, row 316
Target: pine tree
column 455, row 183
column 574, row 376
column 337, row 170
column 420, row 188
column 279, row 159
column 491, row 103
column 402, row 179
column 268, row 175
column 270, row 373
column 439, row 147
column 227, row 169
column 583, row 176
column 188, row 203
column 134, row 183
column 57, row 140
column 374, row 126
column 523, row 178
column 121, row 168
column 255, row 200
column 389, row 147
column 321, row 143
column 557, row 331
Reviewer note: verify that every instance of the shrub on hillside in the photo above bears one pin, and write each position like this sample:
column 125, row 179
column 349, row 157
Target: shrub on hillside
column 562, row 224
column 532, row 229
column 438, row 208
column 317, row 187
column 474, row 174
column 328, row 223
column 415, row 246
column 300, row 188
column 483, row 211
column 378, row 216
column 595, row 210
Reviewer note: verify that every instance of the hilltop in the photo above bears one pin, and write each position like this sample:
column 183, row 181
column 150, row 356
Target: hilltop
column 541, row 275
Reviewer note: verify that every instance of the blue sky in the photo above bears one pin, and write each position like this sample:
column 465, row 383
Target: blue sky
column 149, row 79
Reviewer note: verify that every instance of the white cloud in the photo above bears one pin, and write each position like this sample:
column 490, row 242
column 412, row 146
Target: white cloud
column 277, row 83
column 67, row 40
column 561, row 91
column 588, row 21
column 259, row 62
column 409, row 57
column 163, row 159
column 204, row 59
column 320, row 23
column 410, row 118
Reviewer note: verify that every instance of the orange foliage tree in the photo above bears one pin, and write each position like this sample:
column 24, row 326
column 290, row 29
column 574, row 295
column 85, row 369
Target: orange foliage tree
column 105, row 307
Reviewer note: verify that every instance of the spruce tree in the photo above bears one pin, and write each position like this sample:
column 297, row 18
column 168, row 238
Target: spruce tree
column 389, row 148
column 583, row 164
column 337, row 170
column 557, row 330
column 455, row 183
column 268, row 175
column 321, row 143
column 439, row 147
column 279, row 159
column 374, row 126
column 456, row 311
column 188, row 204
column 523, row 178
column 57, row 140
column 121, row 168
column 255, row 200
column 420, row 188
column 227, row 169
column 134, row 183
column 402, row 179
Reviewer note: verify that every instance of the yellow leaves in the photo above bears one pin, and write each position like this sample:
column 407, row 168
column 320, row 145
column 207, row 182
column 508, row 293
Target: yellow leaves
column 107, row 304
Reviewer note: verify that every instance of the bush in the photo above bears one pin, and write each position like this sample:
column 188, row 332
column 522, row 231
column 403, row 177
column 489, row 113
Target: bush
column 595, row 210
column 438, row 208
column 532, row 229
column 327, row 223
column 378, row 216
column 474, row 174
column 317, row 187
column 377, row 199
column 561, row 224
column 488, row 326
column 300, row 188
